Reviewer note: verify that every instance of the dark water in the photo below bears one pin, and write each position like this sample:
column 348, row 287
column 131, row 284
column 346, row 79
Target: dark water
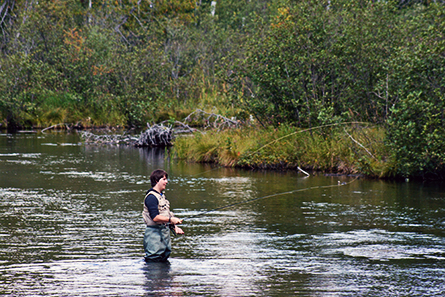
column 70, row 225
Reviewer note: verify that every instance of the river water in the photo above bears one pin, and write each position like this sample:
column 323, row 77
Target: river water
column 71, row 225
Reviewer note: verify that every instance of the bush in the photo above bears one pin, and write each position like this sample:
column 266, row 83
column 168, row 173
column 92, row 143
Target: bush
column 416, row 136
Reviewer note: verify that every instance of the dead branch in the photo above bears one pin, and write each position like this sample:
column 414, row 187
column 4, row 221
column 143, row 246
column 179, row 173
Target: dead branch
column 181, row 128
column 161, row 135
column 211, row 120
column 156, row 135
column 54, row 126
column 92, row 138
column 307, row 174
column 359, row 144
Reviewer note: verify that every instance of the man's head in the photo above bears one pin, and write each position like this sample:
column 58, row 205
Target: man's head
column 157, row 175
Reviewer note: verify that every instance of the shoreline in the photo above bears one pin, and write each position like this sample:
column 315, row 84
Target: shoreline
column 237, row 148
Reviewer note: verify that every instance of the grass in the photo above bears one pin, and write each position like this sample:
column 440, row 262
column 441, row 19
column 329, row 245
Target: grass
column 347, row 148
column 344, row 148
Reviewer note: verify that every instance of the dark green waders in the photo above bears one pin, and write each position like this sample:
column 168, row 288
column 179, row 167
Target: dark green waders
column 157, row 243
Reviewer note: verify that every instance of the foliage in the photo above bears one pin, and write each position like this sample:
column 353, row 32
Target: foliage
column 416, row 135
column 319, row 62
column 295, row 64
column 327, row 149
column 416, row 128
column 121, row 61
column 322, row 62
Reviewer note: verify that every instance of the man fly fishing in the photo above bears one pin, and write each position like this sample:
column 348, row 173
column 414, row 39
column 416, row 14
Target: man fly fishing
column 159, row 219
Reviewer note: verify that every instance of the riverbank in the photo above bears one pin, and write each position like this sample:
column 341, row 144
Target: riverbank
column 348, row 148
column 351, row 148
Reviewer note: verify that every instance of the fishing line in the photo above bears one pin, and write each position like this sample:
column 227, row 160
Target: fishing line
column 269, row 196
column 205, row 171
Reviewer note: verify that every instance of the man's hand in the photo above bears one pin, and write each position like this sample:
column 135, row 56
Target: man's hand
column 178, row 230
column 175, row 221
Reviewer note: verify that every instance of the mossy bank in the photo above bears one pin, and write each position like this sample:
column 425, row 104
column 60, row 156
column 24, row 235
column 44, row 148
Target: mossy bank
column 349, row 148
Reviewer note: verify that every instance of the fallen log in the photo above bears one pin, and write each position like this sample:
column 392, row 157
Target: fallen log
column 92, row 138
column 154, row 136
column 159, row 135
column 212, row 120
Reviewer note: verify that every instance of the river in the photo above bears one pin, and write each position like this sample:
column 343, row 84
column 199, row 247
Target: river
column 71, row 225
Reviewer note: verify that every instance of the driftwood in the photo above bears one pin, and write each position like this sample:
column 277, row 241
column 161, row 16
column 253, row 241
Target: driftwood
column 154, row 136
column 212, row 120
column 160, row 135
column 180, row 128
column 57, row 125
column 92, row 138
column 307, row 174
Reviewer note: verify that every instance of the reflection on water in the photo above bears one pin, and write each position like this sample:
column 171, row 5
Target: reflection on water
column 71, row 226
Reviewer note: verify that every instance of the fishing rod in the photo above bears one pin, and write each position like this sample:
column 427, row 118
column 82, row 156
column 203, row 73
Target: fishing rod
column 269, row 196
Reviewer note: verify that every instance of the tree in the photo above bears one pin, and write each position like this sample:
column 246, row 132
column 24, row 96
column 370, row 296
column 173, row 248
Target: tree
column 319, row 62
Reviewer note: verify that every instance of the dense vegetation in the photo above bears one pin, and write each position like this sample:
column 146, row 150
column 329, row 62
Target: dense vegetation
column 289, row 65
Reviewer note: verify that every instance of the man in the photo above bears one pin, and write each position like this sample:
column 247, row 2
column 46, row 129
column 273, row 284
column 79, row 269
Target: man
column 158, row 218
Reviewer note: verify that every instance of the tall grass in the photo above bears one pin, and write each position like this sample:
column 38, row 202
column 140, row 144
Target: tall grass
column 346, row 149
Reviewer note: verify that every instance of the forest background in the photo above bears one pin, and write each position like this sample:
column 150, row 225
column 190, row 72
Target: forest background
column 340, row 86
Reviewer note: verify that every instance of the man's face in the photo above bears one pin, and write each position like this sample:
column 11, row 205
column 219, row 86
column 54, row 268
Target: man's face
column 162, row 183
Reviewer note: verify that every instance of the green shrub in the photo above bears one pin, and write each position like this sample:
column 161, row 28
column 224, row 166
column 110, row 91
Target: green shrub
column 416, row 135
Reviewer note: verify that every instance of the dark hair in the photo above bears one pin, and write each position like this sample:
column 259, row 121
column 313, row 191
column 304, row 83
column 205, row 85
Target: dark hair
column 157, row 175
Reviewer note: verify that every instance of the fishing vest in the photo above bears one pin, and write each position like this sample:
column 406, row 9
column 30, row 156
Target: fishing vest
column 163, row 208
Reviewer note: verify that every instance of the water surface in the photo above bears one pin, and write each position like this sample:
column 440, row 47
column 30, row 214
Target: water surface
column 71, row 225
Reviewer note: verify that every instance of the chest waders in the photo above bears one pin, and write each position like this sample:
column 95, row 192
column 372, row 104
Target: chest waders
column 157, row 242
